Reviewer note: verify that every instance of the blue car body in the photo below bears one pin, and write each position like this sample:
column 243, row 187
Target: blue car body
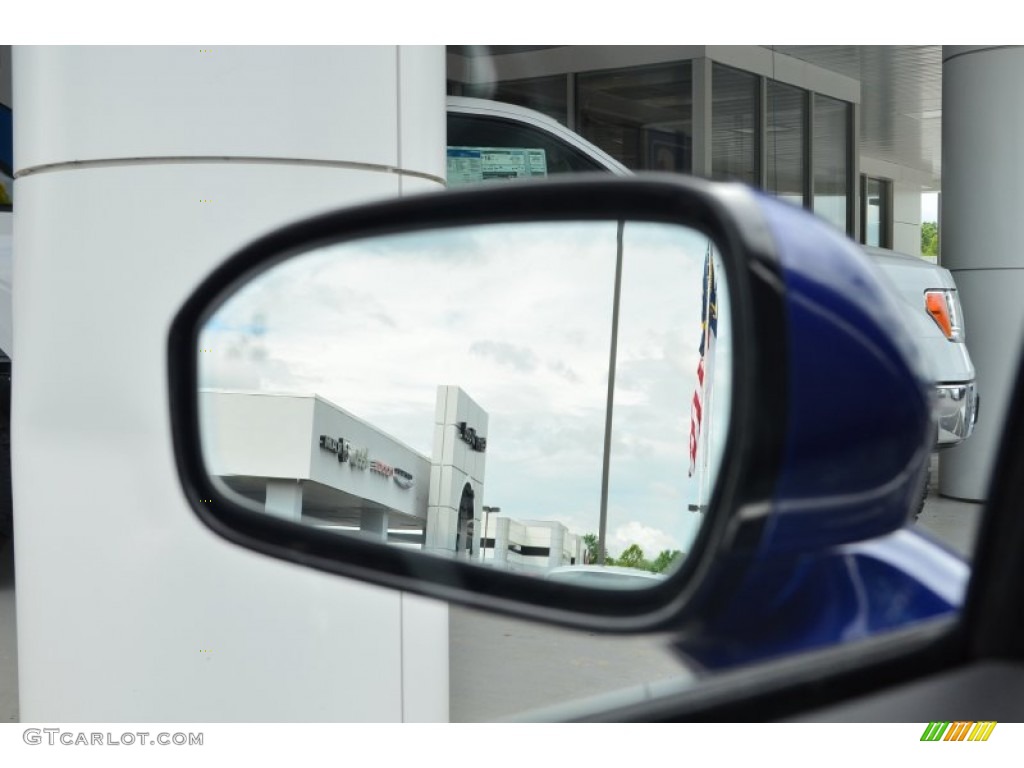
column 837, row 559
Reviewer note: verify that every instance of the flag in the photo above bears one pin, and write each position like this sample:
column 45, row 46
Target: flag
column 708, row 333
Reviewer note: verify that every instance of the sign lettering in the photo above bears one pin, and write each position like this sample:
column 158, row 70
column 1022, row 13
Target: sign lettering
column 471, row 438
column 335, row 445
column 381, row 468
column 359, row 458
column 403, row 479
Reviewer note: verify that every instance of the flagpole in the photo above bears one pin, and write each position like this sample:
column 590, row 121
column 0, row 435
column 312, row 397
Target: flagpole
column 704, row 404
column 709, row 392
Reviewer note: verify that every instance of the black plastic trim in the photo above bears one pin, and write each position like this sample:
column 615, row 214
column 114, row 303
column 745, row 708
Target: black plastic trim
column 794, row 686
column 995, row 598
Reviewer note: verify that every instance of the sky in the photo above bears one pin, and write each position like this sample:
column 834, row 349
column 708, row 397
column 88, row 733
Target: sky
column 520, row 318
column 742, row 22
column 930, row 206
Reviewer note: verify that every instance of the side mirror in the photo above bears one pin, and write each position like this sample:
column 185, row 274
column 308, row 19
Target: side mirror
column 459, row 393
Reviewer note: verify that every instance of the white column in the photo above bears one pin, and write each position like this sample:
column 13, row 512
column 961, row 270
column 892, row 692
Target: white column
column 982, row 196
column 284, row 499
column 139, row 170
column 557, row 539
column 374, row 523
column 501, row 536
column 906, row 215
column 459, row 459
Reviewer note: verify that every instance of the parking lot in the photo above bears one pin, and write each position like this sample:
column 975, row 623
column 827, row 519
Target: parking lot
column 502, row 667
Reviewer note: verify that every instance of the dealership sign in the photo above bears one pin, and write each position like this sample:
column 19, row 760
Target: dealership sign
column 381, row 468
column 403, row 479
column 471, row 438
column 359, row 458
column 335, row 445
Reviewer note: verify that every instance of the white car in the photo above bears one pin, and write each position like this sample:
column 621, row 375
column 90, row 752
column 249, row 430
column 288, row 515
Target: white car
column 604, row 576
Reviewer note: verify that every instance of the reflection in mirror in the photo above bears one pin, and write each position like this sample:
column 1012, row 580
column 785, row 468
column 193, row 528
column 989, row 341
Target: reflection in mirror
column 448, row 391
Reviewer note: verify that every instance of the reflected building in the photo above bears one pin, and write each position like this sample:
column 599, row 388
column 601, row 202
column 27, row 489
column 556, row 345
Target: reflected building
column 305, row 459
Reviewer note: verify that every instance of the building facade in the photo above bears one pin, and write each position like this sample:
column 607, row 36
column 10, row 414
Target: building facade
column 303, row 458
column 748, row 113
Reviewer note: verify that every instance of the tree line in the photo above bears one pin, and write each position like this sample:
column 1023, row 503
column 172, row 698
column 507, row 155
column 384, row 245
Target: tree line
column 632, row 556
column 930, row 238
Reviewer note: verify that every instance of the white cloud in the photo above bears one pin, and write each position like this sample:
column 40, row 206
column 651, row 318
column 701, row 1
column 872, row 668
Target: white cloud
column 520, row 318
column 930, row 206
column 651, row 540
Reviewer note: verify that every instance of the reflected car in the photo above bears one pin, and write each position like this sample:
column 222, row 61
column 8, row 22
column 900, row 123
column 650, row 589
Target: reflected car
column 604, row 576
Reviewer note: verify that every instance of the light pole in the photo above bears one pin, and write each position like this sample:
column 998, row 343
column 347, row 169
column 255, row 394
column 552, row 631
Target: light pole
column 483, row 541
column 602, row 524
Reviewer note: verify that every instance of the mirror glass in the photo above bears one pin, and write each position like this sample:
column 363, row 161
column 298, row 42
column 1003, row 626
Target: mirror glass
column 498, row 393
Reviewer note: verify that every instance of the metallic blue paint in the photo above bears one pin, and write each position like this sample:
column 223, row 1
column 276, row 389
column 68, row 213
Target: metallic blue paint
column 835, row 559
column 859, row 410
column 848, row 593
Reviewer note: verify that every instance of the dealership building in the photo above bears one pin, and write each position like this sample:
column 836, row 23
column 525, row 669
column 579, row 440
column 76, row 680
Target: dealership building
column 303, row 458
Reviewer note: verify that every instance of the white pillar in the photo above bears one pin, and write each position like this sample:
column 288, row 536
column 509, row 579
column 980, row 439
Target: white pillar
column 501, row 537
column 139, row 170
column 284, row 499
column 557, row 540
column 374, row 523
column 982, row 162
column 459, row 459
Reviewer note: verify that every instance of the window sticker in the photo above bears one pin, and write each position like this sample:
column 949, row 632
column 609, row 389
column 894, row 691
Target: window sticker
column 470, row 165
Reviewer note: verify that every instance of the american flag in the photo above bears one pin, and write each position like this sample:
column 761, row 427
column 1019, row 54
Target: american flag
column 708, row 332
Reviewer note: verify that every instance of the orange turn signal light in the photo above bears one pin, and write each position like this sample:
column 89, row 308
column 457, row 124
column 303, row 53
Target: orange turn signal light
column 938, row 307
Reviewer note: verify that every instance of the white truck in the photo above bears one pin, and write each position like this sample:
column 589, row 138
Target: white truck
column 490, row 140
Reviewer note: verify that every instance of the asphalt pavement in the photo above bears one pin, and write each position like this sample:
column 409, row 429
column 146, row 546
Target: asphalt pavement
column 501, row 667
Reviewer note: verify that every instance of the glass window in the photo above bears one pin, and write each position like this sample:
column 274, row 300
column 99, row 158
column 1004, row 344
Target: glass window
column 643, row 117
column 544, row 94
column 734, row 125
column 876, row 212
column 786, row 137
column 488, row 148
column 831, row 159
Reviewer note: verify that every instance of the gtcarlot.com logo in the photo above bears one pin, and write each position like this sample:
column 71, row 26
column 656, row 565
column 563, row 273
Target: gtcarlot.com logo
column 959, row 731
column 55, row 736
